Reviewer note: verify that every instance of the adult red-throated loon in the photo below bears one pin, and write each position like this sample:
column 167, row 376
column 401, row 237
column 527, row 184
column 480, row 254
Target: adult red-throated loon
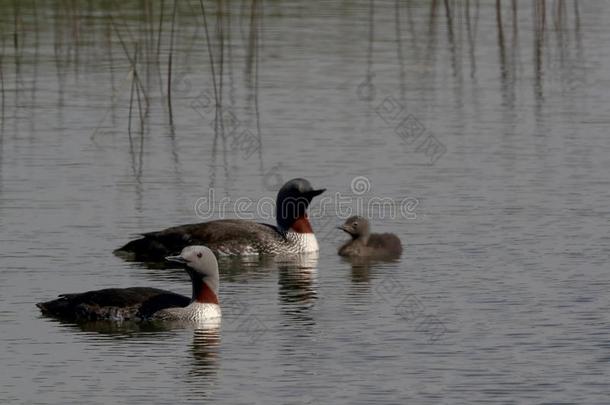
column 144, row 303
column 293, row 233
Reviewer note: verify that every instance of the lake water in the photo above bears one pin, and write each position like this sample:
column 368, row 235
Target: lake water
column 483, row 130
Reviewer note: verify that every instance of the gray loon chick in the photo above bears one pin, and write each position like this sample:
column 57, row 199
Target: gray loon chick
column 366, row 244
column 144, row 303
column 293, row 233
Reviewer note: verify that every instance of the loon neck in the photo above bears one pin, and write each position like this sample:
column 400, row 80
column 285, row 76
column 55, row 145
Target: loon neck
column 363, row 238
column 301, row 225
column 203, row 292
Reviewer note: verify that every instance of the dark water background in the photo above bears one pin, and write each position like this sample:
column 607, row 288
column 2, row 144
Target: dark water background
column 487, row 120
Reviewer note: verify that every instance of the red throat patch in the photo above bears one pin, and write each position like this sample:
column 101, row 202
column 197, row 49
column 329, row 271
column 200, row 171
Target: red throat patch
column 206, row 295
column 302, row 225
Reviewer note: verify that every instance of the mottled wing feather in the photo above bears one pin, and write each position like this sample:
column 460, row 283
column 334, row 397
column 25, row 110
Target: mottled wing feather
column 227, row 234
column 110, row 303
column 117, row 297
column 162, row 301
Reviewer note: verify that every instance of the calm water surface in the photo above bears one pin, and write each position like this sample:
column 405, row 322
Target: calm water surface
column 501, row 295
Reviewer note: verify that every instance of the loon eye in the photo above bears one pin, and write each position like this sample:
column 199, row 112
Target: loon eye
column 199, row 255
column 355, row 224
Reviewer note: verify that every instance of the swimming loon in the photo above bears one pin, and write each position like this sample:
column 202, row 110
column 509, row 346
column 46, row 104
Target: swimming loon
column 366, row 244
column 293, row 233
column 144, row 303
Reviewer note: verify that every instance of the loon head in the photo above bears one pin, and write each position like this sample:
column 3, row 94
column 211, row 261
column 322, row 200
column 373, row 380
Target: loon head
column 291, row 205
column 356, row 227
column 201, row 265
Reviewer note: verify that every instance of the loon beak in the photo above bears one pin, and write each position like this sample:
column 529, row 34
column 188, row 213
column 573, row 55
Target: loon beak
column 313, row 193
column 342, row 227
column 177, row 259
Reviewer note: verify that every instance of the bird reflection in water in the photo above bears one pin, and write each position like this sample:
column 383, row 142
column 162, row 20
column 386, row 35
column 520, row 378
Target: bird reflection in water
column 202, row 358
column 297, row 279
column 361, row 267
column 205, row 349
column 363, row 274
column 118, row 329
column 205, row 346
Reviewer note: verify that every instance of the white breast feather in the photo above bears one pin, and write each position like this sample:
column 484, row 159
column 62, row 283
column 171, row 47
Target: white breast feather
column 303, row 242
column 195, row 311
